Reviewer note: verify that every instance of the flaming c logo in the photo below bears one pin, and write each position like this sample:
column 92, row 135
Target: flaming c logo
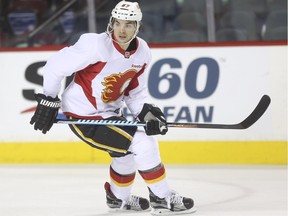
column 115, row 85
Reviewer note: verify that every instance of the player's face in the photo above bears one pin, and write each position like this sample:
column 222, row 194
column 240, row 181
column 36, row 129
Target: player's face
column 124, row 30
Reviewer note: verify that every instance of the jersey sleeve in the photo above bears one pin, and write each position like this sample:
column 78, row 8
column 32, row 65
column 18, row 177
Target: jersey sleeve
column 67, row 61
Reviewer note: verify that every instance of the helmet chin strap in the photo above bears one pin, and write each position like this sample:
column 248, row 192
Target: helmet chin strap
column 109, row 31
column 120, row 43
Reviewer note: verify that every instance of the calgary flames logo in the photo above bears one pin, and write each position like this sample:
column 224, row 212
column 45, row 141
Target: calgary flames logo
column 115, row 85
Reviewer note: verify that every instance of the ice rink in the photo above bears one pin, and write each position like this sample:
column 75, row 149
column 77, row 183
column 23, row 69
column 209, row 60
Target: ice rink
column 77, row 190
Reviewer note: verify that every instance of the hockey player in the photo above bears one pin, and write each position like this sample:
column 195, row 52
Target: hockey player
column 109, row 72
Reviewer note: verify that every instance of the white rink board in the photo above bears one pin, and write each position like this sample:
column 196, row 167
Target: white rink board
column 245, row 74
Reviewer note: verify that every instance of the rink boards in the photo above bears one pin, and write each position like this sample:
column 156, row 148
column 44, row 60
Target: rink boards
column 220, row 84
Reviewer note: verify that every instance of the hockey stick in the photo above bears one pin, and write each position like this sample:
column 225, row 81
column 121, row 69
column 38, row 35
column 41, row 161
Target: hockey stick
column 246, row 123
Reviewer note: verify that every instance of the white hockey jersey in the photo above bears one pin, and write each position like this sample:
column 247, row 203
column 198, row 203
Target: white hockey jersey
column 106, row 77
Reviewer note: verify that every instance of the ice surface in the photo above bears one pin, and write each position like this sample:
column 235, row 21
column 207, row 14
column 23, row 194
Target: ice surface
column 78, row 190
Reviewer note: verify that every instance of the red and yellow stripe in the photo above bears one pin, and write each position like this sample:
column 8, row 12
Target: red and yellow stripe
column 121, row 180
column 154, row 176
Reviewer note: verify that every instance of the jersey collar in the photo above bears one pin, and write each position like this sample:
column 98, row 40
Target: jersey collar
column 130, row 50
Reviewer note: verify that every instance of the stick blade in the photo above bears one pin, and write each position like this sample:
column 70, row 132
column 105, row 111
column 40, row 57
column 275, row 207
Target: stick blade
column 256, row 114
column 246, row 123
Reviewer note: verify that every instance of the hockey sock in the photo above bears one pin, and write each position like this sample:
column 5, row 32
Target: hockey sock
column 156, row 180
column 121, row 185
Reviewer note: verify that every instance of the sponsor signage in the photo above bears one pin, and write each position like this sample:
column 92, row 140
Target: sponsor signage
column 196, row 84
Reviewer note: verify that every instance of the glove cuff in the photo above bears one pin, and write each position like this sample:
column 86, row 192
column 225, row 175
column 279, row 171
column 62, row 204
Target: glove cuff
column 50, row 102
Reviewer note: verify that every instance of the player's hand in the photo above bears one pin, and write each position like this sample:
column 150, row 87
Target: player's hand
column 46, row 112
column 154, row 118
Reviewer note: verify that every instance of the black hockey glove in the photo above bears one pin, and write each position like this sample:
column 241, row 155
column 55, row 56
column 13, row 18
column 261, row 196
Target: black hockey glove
column 154, row 118
column 46, row 112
